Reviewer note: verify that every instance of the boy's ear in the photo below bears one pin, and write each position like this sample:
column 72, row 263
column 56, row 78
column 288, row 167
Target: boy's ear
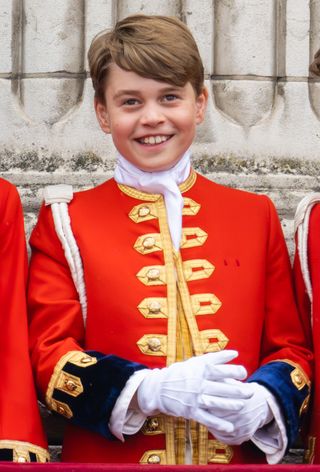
column 102, row 115
column 201, row 105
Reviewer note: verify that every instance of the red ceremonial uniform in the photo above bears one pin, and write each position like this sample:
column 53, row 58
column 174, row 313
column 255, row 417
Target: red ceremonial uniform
column 228, row 287
column 21, row 435
column 312, row 311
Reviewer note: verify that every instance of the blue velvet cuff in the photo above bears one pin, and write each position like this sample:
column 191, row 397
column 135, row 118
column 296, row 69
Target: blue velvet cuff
column 102, row 383
column 290, row 387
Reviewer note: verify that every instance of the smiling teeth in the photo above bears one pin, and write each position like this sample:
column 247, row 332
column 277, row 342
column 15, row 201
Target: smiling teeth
column 154, row 139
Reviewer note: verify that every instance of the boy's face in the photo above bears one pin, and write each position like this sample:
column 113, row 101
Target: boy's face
column 152, row 123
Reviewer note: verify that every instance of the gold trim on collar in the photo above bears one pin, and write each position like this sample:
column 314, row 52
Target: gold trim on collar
column 153, row 197
column 21, row 450
column 152, row 275
column 205, row 304
column 196, row 269
column 153, row 344
column 218, row 452
column 193, row 237
column 148, row 243
column 143, row 212
column 154, row 307
column 190, row 207
column 213, row 340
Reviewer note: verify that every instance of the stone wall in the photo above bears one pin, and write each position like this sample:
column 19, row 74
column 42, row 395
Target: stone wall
column 262, row 128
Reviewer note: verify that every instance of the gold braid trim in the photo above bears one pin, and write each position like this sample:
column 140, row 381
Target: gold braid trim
column 21, row 450
column 153, row 197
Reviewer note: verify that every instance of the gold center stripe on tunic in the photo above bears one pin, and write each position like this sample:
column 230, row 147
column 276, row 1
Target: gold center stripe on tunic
column 172, row 314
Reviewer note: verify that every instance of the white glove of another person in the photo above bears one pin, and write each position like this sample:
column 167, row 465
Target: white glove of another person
column 255, row 414
column 196, row 389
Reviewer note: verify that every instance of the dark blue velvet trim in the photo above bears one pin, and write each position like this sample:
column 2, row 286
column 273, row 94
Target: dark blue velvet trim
column 102, row 383
column 275, row 376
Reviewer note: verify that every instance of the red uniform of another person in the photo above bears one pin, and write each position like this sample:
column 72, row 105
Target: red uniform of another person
column 307, row 285
column 21, row 434
column 229, row 286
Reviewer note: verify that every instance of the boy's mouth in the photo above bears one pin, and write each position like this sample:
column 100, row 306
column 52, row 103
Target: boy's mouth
column 158, row 139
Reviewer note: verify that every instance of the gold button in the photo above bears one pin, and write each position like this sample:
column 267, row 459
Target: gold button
column 154, row 459
column 154, row 344
column 144, row 211
column 153, row 274
column 152, row 424
column 21, row 459
column 298, row 378
column 70, row 385
column 154, row 307
column 85, row 360
column 61, row 410
column 148, row 243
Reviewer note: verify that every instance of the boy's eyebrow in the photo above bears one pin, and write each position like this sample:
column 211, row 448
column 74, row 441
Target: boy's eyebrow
column 168, row 89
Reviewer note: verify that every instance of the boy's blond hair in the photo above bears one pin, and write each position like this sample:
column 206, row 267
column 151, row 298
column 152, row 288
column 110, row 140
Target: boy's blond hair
column 156, row 47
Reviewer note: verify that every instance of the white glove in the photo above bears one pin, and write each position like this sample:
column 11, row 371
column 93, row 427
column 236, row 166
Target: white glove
column 255, row 414
column 195, row 389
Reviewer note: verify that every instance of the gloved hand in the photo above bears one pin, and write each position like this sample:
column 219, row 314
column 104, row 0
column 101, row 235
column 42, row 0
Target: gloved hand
column 254, row 415
column 195, row 389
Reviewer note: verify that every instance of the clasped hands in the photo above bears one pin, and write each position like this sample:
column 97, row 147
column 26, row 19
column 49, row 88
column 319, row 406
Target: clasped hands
column 208, row 390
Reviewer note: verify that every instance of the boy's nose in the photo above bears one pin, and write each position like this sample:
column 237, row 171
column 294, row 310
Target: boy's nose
column 152, row 116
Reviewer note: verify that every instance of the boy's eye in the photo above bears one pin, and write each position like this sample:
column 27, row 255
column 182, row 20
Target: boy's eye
column 130, row 101
column 170, row 97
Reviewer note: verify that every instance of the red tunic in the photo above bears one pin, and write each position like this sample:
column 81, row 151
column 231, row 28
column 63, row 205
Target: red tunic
column 21, row 434
column 234, row 287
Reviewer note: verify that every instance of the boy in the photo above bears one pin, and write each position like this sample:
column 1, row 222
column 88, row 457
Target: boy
column 171, row 269
column 21, row 435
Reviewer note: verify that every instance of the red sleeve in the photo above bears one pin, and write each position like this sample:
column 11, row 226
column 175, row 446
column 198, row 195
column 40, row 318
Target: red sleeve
column 56, row 325
column 284, row 336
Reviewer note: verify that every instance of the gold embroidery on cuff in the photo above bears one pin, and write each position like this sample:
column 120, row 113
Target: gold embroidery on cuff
column 152, row 275
column 190, row 207
column 154, row 307
column 153, row 426
column 219, row 453
column 61, row 408
column 298, row 378
column 205, row 304
column 143, row 212
column 156, row 456
column 213, row 340
column 69, row 384
column 153, row 344
column 21, row 450
column 297, row 367
column 78, row 358
column 305, row 405
column 197, row 269
column 193, row 237
column 310, row 451
column 148, row 243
